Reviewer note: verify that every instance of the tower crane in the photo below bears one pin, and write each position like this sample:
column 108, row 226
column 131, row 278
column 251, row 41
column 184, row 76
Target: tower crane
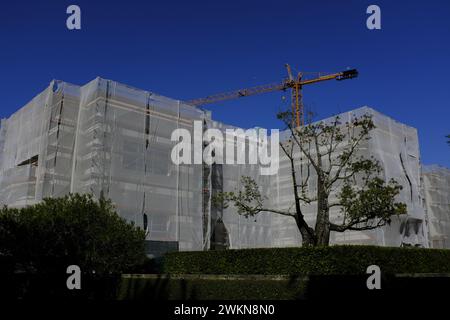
column 295, row 84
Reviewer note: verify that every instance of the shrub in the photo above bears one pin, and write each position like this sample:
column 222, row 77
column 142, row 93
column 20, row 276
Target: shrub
column 76, row 229
column 334, row 260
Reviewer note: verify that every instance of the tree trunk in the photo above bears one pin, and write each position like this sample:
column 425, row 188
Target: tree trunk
column 308, row 236
column 323, row 216
column 308, row 239
column 323, row 230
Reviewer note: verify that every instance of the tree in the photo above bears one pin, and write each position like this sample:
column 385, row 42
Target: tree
column 448, row 137
column 73, row 230
column 330, row 153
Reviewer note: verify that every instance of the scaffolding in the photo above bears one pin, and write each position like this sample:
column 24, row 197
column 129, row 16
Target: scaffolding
column 112, row 140
column 437, row 187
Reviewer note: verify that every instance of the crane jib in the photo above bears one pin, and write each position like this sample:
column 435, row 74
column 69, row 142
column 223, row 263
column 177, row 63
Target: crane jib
column 286, row 84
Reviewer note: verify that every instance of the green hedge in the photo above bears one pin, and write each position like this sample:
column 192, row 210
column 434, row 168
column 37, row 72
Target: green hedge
column 333, row 260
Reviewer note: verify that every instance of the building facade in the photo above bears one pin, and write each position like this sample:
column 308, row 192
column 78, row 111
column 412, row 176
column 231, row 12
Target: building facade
column 112, row 140
column 436, row 183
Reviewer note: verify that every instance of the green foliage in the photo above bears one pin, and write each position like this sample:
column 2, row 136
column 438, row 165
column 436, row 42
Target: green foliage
column 333, row 260
column 76, row 229
column 372, row 205
column 248, row 201
column 329, row 152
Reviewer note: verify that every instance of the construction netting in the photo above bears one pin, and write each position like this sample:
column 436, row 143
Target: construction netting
column 227, row 228
column 436, row 182
column 38, row 145
column 396, row 147
column 114, row 141
column 123, row 152
column 393, row 144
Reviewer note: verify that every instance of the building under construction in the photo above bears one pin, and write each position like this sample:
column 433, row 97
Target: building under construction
column 109, row 139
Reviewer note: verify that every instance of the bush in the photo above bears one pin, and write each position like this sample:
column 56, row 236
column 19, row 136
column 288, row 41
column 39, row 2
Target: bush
column 334, row 260
column 74, row 230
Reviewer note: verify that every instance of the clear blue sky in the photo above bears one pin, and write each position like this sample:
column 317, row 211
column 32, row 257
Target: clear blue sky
column 189, row 49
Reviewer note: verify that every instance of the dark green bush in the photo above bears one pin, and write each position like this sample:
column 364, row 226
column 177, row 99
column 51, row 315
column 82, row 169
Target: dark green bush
column 345, row 260
column 73, row 230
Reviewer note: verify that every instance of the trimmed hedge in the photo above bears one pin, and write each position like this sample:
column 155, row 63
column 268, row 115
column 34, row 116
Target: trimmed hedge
column 333, row 260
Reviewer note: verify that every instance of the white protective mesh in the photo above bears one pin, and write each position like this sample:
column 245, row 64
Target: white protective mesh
column 396, row 147
column 436, row 182
column 38, row 145
column 251, row 232
column 123, row 150
column 109, row 139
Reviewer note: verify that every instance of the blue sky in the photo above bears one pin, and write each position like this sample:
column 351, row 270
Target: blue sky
column 190, row 49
